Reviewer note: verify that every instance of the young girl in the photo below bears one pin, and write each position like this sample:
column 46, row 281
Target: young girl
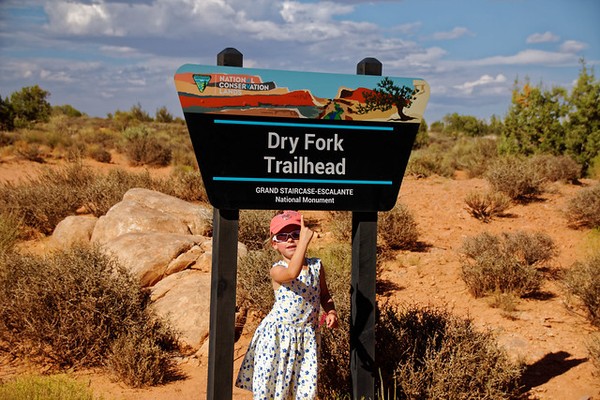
column 281, row 362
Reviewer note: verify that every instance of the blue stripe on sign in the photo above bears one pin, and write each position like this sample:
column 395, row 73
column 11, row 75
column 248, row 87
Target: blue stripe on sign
column 303, row 125
column 290, row 180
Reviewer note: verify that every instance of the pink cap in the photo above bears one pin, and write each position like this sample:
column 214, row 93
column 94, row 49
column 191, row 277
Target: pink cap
column 280, row 221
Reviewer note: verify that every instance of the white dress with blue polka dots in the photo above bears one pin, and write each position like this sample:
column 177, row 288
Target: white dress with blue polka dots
column 281, row 362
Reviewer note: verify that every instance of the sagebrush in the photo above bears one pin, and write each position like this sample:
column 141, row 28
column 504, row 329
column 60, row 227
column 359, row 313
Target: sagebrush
column 509, row 263
column 516, row 177
column 68, row 308
column 583, row 281
column 428, row 353
column 583, row 210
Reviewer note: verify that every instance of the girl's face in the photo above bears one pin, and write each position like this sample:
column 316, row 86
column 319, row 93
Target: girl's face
column 285, row 244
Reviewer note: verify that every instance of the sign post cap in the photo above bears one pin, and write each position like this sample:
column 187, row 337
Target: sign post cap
column 230, row 57
column 369, row 66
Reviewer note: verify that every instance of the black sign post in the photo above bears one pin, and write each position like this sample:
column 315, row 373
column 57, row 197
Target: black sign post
column 223, row 286
column 363, row 303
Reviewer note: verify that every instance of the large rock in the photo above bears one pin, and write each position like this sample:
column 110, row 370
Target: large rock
column 183, row 299
column 148, row 255
column 145, row 210
column 197, row 217
column 73, row 229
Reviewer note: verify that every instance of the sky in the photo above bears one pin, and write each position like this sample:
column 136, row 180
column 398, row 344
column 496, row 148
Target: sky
column 105, row 55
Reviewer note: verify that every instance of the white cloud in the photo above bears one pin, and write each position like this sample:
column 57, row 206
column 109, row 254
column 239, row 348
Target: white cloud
column 543, row 37
column 455, row 33
column 484, row 80
column 525, row 57
column 572, row 46
column 81, row 19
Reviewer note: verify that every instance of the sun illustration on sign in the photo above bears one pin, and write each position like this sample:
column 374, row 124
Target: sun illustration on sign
column 201, row 81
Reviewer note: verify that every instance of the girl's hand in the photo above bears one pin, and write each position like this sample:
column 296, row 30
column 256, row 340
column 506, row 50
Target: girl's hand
column 306, row 233
column 331, row 320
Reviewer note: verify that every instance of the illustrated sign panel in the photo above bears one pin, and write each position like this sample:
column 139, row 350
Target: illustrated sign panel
column 270, row 139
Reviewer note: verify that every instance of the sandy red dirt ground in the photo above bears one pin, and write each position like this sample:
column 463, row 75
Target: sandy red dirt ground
column 547, row 333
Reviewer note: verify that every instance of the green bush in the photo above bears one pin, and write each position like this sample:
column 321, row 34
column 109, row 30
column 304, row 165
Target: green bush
column 515, row 177
column 485, row 206
column 68, row 309
column 30, row 105
column 583, row 281
column 143, row 147
column 474, row 155
column 427, row 353
column 55, row 387
column 429, row 161
column 505, row 264
column 583, row 210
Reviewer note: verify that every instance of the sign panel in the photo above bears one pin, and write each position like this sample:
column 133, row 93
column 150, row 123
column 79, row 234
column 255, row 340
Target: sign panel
column 268, row 139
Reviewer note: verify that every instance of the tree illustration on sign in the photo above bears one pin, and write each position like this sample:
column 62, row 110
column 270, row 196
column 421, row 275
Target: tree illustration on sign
column 386, row 96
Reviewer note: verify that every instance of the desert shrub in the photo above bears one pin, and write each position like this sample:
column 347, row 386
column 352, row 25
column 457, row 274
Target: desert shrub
column 556, row 168
column 143, row 147
column 340, row 223
column 99, row 153
column 29, row 151
column 44, row 201
column 427, row 353
column 104, row 191
column 186, row 184
column 429, row 161
column 474, row 155
column 69, row 307
column 254, row 287
column 254, row 228
column 397, row 229
column 334, row 375
column 485, row 206
column 55, row 387
column 593, row 346
column 139, row 358
column 583, row 281
column 583, row 210
column 10, row 226
column 515, row 177
column 505, row 264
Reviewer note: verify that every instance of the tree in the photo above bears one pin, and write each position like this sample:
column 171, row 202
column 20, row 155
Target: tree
column 7, row 115
column 456, row 124
column 163, row 115
column 583, row 122
column 30, row 105
column 386, row 96
column 534, row 121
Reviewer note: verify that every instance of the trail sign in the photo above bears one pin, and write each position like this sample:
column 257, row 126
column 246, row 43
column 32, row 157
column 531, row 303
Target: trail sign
column 269, row 139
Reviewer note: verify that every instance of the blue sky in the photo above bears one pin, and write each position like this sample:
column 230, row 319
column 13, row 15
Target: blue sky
column 106, row 55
